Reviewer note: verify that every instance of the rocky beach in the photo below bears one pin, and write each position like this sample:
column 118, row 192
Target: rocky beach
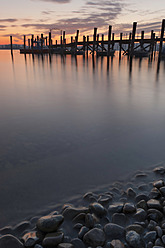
column 128, row 213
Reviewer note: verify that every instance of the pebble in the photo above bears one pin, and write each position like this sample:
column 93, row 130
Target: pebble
column 77, row 243
column 158, row 184
column 140, row 214
column 142, row 204
column 30, row 239
column 134, row 239
column 159, row 170
column 150, row 236
column 114, row 231
column 119, row 219
column 131, row 193
column 71, row 212
column 82, row 232
column 94, row 237
column 50, row 223
column 154, row 204
column 135, row 227
column 129, row 208
column 97, row 209
column 116, row 208
column 9, row 241
column 162, row 190
column 116, row 244
column 53, row 239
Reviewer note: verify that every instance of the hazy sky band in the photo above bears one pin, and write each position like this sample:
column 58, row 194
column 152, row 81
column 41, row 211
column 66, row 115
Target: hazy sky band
column 21, row 17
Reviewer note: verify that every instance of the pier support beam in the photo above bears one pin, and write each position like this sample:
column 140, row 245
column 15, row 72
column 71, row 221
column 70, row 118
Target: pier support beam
column 102, row 42
column 121, row 37
column 109, row 39
column 133, row 37
column 113, row 43
column 11, row 44
column 94, row 40
column 142, row 39
column 24, row 41
column 50, row 38
column 161, row 37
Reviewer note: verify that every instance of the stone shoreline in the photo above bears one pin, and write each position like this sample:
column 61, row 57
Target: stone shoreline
column 124, row 214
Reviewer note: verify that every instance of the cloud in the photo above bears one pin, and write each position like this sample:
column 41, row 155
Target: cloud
column 55, row 1
column 2, row 26
column 9, row 20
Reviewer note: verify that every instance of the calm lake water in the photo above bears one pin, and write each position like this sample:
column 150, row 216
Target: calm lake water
column 68, row 124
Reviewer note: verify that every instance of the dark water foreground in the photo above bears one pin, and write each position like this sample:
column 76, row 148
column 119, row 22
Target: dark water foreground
column 69, row 124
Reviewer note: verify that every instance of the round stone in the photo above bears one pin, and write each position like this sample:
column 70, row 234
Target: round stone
column 129, row 208
column 97, row 209
column 50, row 223
column 95, row 237
column 114, row 231
column 53, row 239
column 9, row 241
column 134, row 239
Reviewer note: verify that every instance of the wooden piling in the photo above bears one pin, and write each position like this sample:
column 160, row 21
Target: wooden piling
column 32, row 41
column 142, row 39
column 50, row 35
column 29, row 43
column 63, row 37
column 97, row 41
column 61, row 41
column 87, row 43
column 113, row 38
column 24, row 43
column 102, row 42
column 109, row 39
column 42, row 41
column 121, row 37
column 11, row 44
column 94, row 40
column 133, row 37
column 84, row 43
column 161, row 37
column 46, row 41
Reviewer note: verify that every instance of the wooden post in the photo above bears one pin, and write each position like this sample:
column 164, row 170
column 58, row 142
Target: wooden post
column 77, row 35
column 50, row 39
column 113, row 38
column 24, row 45
column 29, row 43
column 97, row 41
column 37, row 38
column 102, row 42
column 71, row 39
column 46, row 41
column 133, row 37
column 87, row 43
column 109, row 39
column 61, row 41
column 84, row 43
column 32, row 40
column 11, row 44
column 161, row 37
column 121, row 36
column 142, row 39
column 41, row 41
column 63, row 37
column 129, row 44
column 56, row 43
column 94, row 40
column 152, row 43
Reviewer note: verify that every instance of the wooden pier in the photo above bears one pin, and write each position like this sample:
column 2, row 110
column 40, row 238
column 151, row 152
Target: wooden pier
column 132, row 46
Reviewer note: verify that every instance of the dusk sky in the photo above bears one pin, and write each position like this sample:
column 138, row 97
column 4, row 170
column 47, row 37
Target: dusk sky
column 21, row 17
